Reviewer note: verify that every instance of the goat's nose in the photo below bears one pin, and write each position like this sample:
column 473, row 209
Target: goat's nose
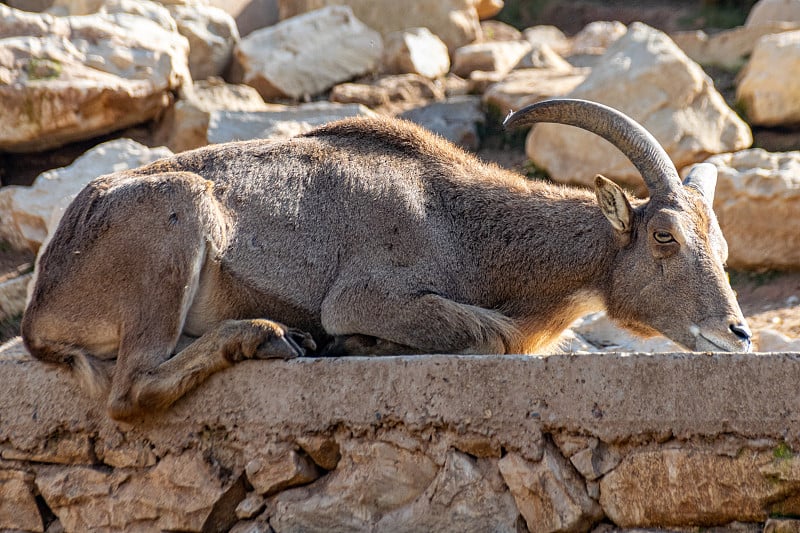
column 741, row 331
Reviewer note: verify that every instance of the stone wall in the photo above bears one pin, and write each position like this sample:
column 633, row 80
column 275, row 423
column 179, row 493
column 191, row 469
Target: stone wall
column 430, row 443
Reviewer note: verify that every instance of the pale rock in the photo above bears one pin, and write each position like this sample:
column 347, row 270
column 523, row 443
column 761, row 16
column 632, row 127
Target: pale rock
column 148, row 9
column 416, row 51
column 185, row 125
column 250, row 506
column 372, row 480
column 212, row 36
column 269, row 475
column 594, row 462
column 68, row 78
column 596, row 37
column 456, row 119
column 29, row 214
column 645, row 75
column 493, row 56
column 308, row 54
column 571, row 342
column 323, row 450
column 757, row 202
column 389, row 92
column 684, row 487
column 769, row 87
column 456, row 85
column 18, row 509
column 600, row 331
column 765, row 12
column 530, row 85
column 466, row 495
column 550, row 495
column 454, row 21
column 488, row 8
column 729, row 49
column 782, row 525
column 569, row 443
column 548, row 35
column 13, row 293
column 769, row 340
column 543, row 57
column 224, row 126
column 179, row 493
column 494, row 30
column 250, row 15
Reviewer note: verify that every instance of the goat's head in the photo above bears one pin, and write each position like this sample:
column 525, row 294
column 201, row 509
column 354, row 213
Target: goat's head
column 668, row 274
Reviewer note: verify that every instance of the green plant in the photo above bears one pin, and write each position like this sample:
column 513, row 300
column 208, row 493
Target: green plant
column 782, row 451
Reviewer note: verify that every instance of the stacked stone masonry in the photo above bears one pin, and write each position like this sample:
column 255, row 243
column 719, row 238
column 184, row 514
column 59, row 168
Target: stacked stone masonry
column 593, row 442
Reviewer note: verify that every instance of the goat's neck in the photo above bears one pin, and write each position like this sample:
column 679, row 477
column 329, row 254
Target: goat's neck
column 546, row 251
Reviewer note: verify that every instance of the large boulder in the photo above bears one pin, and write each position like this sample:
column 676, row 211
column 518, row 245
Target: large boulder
column 757, row 202
column 212, row 35
column 224, row 126
column 185, row 125
column 308, row 53
column 530, row 85
column 416, row 51
column 29, row 214
column 769, row 89
column 69, row 78
column 729, row 49
column 454, row 21
column 766, row 12
column 645, row 75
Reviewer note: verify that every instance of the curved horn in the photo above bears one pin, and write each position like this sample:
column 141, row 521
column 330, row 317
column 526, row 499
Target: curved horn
column 630, row 137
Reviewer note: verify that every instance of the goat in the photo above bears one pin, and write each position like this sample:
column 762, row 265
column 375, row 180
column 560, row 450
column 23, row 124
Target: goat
column 368, row 236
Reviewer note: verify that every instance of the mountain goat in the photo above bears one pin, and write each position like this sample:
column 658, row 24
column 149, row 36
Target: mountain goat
column 368, row 236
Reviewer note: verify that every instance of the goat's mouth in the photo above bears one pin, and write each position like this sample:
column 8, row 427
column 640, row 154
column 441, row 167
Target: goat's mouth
column 706, row 341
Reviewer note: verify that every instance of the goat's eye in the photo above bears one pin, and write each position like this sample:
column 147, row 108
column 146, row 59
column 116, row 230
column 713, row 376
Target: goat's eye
column 663, row 237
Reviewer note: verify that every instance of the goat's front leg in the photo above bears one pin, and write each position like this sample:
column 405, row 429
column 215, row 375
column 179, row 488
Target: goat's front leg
column 400, row 324
column 138, row 390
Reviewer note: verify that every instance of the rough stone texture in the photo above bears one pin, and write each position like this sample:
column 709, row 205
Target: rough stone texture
column 530, row 85
column 689, row 488
column 729, row 49
column 454, row 21
column 308, row 53
column 372, row 480
column 28, row 214
column 765, row 12
column 769, row 89
column 456, row 119
column 178, row 493
column 703, row 440
column 185, row 125
column 757, row 202
column 272, row 474
column 415, row 51
column 645, row 75
column 18, row 510
column 548, row 35
column 596, row 37
column 212, row 36
column 68, row 78
column 389, row 94
column 493, row 56
column 224, row 126
column 549, row 493
column 250, row 506
column 467, row 495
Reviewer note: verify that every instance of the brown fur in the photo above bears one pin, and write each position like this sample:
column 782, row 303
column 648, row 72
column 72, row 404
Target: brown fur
column 374, row 236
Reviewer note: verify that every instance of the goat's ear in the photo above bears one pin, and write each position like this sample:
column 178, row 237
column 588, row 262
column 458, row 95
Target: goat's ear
column 614, row 204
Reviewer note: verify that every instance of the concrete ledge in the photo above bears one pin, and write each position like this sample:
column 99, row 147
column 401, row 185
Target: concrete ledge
column 407, row 443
